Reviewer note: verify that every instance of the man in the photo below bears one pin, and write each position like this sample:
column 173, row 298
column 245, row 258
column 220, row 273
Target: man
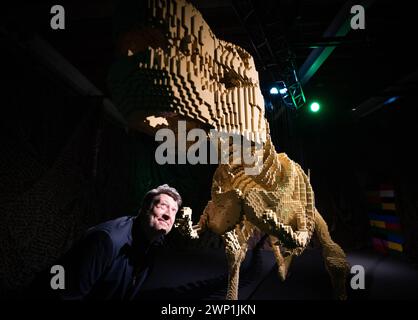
column 114, row 258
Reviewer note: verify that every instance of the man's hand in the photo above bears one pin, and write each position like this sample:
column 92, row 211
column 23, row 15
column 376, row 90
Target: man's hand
column 184, row 224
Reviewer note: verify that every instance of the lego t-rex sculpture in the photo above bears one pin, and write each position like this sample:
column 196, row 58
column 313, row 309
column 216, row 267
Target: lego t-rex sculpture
column 176, row 69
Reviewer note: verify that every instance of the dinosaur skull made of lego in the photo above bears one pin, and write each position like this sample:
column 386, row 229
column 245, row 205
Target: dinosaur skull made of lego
column 176, row 68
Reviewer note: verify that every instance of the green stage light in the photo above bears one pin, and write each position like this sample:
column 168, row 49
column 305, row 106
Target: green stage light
column 315, row 107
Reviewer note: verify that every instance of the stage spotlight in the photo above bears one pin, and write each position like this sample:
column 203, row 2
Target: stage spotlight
column 274, row 91
column 315, row 107
column 283, row 91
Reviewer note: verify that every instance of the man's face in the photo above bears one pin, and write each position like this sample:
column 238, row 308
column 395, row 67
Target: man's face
column 162, row 215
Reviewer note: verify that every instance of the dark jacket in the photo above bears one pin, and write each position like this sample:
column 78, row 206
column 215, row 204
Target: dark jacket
column 110, row 262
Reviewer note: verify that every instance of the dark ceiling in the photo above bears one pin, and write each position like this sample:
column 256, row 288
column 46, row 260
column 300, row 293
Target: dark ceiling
column 362, row 71
column 363, row 64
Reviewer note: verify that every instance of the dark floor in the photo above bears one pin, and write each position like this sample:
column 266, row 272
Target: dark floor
column 201, row 275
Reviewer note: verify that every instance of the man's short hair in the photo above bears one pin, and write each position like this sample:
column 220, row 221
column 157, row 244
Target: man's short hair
column 149, row 198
